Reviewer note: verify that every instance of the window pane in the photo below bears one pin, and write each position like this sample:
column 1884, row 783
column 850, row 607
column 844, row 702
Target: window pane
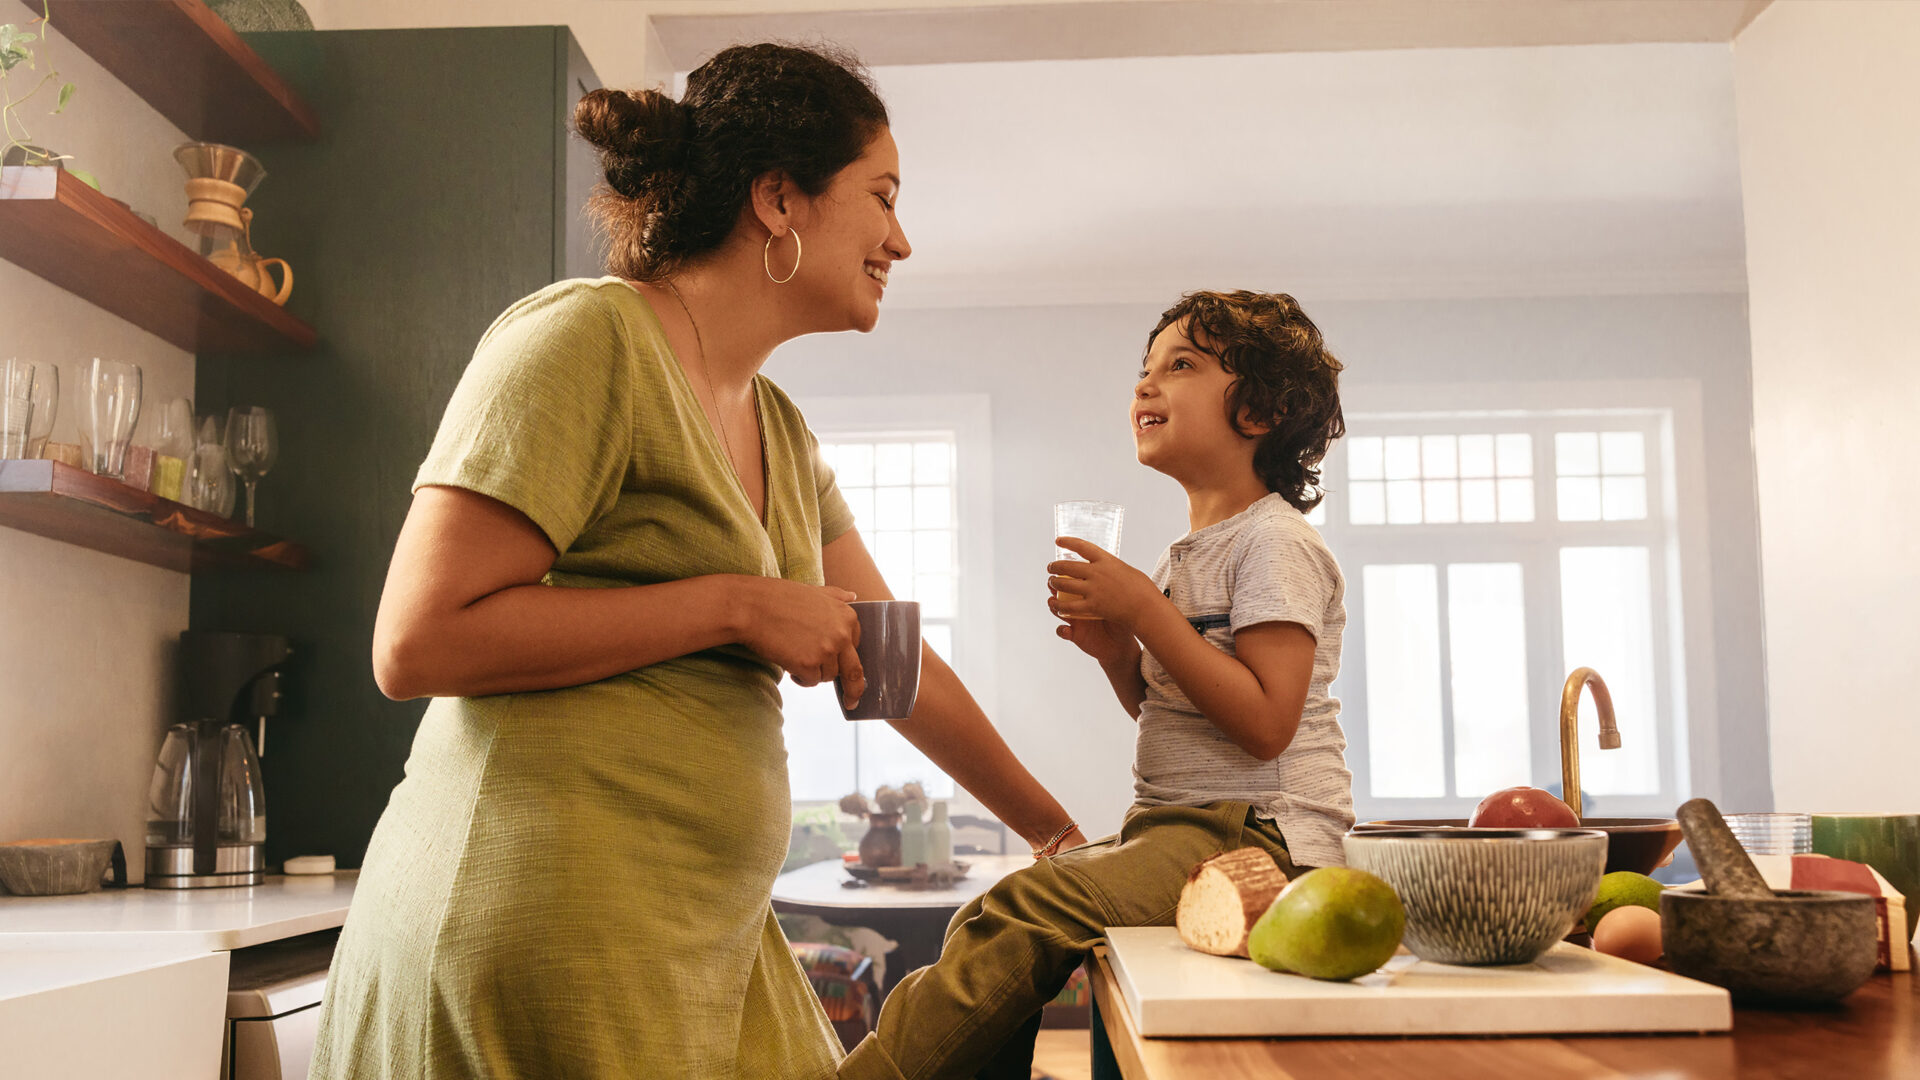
column 940, row 637
column 1443, row 501
column 1403, row 502
column 933, row 551
column 1623, row 453
column 1317, row 517
column 1624, row 498
column 1437, row 456
column 860, row 501
column 1403, row 457
column 893, row 463
column 935, row 593
column 1367, row 503
column 1516, row 500
column 820, row 742
column 1403, row 681
column 1514, row 454
column 886, row 758
column 1476, row 500
column 1476, row 455
column 932, row 463
column 1606, row 609
column 893, row 554
column 1364, row 461
column 1487, row 635
column 853, row 464
column 893, row 508
column 1576, row 453
column 932, row 507
column 1579, row 498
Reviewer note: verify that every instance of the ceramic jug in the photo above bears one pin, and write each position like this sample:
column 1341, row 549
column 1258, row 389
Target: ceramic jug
column 239, row 259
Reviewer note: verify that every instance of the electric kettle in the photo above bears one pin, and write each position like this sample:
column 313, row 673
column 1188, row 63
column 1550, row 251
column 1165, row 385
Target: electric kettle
column 207, row 817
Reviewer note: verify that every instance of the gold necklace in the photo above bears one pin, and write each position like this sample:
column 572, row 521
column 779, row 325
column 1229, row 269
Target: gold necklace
column 706, row 369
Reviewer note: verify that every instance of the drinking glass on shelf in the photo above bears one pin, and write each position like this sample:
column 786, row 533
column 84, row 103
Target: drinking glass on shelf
column 252, row 447
column 1098, row 523
column 46, row 406
column 113, row 408
column 16, row 407
column 209, row 484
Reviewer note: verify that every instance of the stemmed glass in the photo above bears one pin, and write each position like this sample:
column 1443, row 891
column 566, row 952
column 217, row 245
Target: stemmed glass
column 252, row 447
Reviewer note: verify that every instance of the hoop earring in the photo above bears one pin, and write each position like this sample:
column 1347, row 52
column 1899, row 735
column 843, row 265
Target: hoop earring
column 766, row 258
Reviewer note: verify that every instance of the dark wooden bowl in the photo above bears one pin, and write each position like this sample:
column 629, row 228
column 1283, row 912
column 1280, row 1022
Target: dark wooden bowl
column 1639, row 844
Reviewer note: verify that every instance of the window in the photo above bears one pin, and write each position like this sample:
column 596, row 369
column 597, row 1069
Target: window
column 1486, row 555
column 911, row 485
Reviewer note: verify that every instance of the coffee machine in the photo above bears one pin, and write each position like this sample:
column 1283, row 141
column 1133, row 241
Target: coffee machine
column 207, row 817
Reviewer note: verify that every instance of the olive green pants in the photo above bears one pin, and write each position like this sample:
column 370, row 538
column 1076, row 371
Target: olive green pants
column 1009, row 951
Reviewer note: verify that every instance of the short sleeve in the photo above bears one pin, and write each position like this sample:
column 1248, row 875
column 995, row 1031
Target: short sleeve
column 1282, row 573
column 836, row 517
column 542, row 420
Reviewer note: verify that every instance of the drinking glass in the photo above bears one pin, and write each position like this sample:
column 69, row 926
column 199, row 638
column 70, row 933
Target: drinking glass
column 1098, row 523
column 1773, row 833
column 252, row 447
column 209, row 483
column 113, row 408
column 173, row 444
column 46, row 406
column 16, row 407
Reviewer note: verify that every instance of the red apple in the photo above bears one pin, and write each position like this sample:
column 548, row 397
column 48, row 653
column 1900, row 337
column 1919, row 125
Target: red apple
column 1522, row 808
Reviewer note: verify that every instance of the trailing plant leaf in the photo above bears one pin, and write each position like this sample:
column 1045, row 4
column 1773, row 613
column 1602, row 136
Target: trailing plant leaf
column 66, row 95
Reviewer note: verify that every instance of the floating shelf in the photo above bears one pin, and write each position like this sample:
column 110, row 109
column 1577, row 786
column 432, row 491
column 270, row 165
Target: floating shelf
column 58, row 501
column 97, row 249
column 188, row 64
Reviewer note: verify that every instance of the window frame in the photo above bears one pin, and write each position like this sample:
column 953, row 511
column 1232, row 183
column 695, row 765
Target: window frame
column 967, row 419
column 1667, row 414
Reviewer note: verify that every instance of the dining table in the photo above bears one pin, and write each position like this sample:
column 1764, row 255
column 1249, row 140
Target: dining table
column 1872, row 1034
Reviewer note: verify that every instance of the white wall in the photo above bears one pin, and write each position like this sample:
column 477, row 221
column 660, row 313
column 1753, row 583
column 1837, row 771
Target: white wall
column 1059, row 379
column 1829, row 104
column 85, row 676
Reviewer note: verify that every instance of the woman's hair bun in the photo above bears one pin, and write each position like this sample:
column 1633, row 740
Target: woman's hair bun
column 642, row 136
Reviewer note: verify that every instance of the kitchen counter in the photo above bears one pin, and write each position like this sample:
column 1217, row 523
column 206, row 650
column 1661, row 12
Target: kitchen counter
column 110, row 1012
column 181, row 920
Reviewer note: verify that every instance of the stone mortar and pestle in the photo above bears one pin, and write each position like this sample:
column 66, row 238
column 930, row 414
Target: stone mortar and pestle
column 1764, row 946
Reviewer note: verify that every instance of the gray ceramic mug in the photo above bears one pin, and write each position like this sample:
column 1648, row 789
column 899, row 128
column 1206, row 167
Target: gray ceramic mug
column 890, row 653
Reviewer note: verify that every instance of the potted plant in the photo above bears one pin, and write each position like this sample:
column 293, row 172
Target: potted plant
column 20, row 48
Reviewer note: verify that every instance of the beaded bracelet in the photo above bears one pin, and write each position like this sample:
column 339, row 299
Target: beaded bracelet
column 1049, row 847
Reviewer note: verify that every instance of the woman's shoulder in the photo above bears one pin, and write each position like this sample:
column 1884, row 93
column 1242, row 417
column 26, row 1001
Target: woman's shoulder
column 571, row 309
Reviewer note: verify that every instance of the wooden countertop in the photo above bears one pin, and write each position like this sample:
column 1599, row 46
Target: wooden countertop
column 1873, row 1035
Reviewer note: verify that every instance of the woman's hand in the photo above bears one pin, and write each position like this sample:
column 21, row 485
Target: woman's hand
column 1102, row 587
column 807, row 629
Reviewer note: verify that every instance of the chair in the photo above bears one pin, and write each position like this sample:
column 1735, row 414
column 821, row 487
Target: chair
column 843, row 980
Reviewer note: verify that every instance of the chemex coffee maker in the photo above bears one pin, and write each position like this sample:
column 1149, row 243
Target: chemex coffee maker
column 207, row 816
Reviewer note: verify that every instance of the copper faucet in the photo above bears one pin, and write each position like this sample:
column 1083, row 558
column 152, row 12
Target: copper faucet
column 1570, row 730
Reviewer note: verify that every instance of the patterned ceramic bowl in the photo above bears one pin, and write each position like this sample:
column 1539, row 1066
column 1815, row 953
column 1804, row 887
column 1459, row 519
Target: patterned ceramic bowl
column 1485, row 896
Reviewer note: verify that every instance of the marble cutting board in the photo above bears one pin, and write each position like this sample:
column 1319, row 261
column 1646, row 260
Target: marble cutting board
column 1172, row 990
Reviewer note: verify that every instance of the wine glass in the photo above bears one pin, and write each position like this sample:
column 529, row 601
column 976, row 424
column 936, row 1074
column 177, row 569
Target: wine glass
column 209, row 482
column 252, row 447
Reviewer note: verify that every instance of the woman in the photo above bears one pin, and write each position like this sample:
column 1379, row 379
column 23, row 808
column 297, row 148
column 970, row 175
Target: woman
column 620, row 539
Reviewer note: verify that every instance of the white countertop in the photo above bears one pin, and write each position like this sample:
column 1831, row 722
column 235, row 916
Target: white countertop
column 828, row 885
column 181, row 920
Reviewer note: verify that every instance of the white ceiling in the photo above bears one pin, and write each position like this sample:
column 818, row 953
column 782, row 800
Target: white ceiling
column 1438, row 172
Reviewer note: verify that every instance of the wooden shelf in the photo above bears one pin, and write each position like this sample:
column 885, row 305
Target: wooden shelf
column 187, row 63
column 94, row 247
column 54, row 500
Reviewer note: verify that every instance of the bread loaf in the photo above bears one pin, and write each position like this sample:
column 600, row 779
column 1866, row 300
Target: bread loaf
column 1224, row 897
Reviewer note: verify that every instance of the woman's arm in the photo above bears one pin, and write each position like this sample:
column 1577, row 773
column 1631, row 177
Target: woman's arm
column 949, row 726
column 464, row 614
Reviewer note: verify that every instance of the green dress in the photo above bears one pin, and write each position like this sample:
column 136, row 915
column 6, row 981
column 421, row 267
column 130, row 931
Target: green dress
column 576, row 882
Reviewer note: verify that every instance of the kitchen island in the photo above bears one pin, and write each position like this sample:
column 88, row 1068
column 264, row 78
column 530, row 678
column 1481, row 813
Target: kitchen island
column 1873, row 1035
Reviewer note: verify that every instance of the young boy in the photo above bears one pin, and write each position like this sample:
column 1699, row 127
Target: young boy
column 1223, row 656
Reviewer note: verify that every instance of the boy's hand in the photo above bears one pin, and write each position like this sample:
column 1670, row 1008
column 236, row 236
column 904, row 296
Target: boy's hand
column 1097, row 638
column 1103, row 587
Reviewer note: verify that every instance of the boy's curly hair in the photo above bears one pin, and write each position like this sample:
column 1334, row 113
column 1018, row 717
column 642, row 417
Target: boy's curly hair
column 1284, row 376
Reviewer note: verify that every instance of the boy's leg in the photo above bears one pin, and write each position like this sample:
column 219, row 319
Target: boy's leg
column 1011, row 954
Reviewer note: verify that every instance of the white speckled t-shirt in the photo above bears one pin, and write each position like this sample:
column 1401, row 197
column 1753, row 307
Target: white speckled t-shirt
column 1263, row 565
